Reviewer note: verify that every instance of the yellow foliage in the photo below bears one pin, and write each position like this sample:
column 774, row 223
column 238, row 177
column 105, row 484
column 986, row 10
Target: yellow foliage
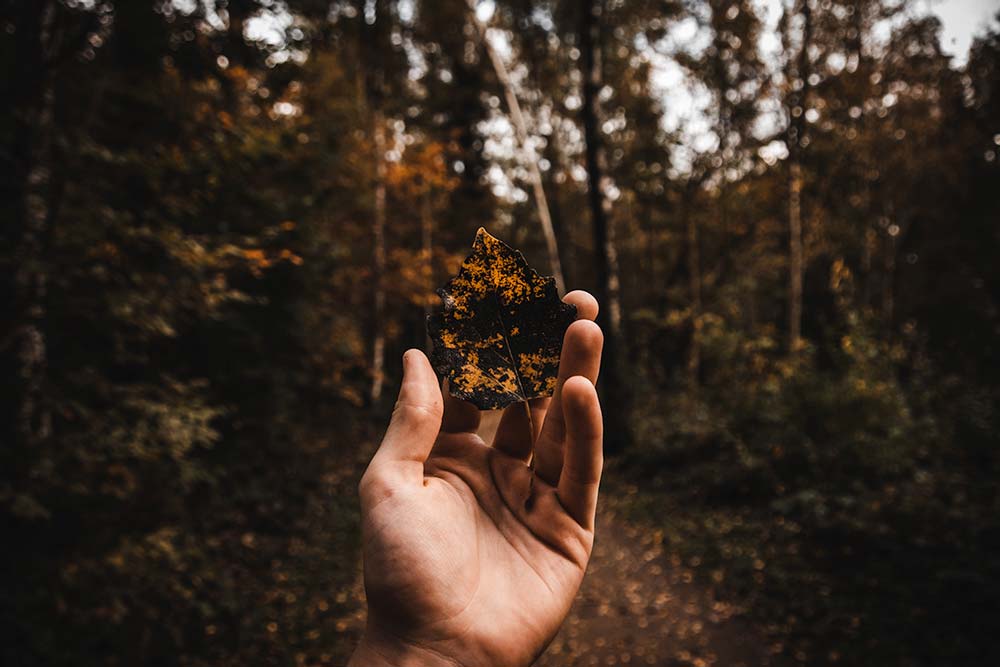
column 259, row 260
column 423, row 170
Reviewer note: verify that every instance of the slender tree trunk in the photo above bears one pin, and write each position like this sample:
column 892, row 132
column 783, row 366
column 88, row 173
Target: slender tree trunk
column 521, row 130
column 374, row 38
column 563, row 227
column 867, row 251
column 794, row 255
column 427, row 255
column 378, row 259
column 862, row 159
column 31, row 182
column 888, row 278
column 799, row 98
column 694, row 283
column 617, row 428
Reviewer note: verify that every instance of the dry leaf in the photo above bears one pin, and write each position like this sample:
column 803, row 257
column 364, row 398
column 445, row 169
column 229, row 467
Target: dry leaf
column 499, row 335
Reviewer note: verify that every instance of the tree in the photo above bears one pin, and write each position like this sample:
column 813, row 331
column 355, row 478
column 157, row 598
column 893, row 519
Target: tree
column 32, row 193
column 605, row 250
column 521, row 129
column 373, row 42
column 798, row 73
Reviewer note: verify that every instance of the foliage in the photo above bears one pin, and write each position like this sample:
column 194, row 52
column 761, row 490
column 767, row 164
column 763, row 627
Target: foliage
column 826, row 474
column 187, row 274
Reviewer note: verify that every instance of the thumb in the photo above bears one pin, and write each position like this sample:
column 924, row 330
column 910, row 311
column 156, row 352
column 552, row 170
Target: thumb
column 416, row 419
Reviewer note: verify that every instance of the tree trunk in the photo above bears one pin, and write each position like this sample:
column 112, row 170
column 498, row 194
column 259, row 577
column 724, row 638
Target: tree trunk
column 378, row 259
column 888, row 278
column 617, row 433
column 694, row 283
column 521, row 130
column 564, row 227
column 374, row 38
column 794, row 255
column 30, row 182
column 797, row 107
column 867, row 253
column 427, row 255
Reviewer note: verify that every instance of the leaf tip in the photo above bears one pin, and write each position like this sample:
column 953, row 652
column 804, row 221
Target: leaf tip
column 482, row 235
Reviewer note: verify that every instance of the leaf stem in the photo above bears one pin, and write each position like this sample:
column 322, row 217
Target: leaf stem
column 531, row 429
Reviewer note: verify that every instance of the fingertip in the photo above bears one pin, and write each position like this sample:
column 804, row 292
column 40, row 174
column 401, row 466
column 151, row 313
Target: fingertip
column 586, row 305
column 578, row 392
column 415, row 362
column 420, row 382
column 586, row 333
column 412, row 355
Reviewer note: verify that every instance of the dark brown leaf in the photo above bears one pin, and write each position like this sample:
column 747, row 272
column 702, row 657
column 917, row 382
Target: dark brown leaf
column 499, row 335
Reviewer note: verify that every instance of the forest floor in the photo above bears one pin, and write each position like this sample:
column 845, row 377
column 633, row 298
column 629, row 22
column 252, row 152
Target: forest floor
column 639, row 605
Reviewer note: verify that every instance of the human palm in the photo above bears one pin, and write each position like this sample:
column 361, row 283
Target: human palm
column 471, row 556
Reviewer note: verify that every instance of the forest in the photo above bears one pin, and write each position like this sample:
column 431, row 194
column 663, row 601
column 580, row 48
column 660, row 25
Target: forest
column 224, row 221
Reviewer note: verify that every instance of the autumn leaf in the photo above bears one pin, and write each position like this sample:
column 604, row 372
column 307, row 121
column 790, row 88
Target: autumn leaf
column 500, row 332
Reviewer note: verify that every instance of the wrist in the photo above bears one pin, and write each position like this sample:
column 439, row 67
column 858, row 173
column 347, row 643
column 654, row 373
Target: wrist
column 381, row 650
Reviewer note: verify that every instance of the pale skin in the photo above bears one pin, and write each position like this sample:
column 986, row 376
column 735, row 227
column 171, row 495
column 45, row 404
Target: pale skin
column 472, row 556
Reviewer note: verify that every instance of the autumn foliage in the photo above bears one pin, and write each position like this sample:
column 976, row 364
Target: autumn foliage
column 801, row 282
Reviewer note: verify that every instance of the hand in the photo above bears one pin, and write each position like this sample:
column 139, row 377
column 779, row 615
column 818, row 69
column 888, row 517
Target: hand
column 471, row 557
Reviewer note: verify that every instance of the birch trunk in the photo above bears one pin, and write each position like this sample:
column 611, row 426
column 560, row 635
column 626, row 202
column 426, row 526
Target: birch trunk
column 521, row 130
column 798, row 104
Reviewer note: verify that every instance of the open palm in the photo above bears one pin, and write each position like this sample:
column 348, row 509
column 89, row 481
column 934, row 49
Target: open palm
column 472, row 557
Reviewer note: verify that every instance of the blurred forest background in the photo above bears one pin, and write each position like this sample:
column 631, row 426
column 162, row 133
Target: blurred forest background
column 223, row 221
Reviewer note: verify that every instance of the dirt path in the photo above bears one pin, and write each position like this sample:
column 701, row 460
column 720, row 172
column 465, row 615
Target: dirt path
column 636, row 607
